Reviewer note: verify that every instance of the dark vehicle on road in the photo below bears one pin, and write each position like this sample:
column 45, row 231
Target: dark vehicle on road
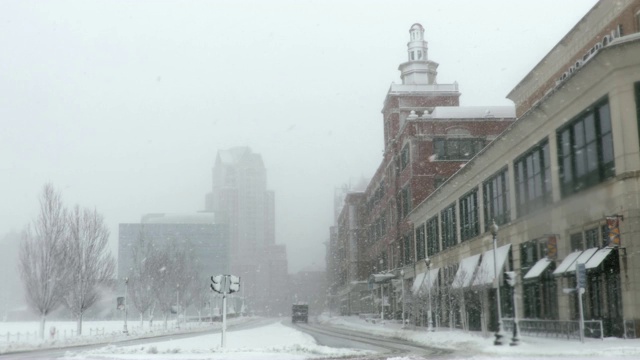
column 300, row 313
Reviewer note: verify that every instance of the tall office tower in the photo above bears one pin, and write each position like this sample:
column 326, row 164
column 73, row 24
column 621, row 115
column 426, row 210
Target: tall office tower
column 240, row 191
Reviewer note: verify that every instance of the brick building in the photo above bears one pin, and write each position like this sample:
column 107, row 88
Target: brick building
column 427, row 138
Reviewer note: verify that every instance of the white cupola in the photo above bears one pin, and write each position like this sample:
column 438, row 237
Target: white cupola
column 418, row 69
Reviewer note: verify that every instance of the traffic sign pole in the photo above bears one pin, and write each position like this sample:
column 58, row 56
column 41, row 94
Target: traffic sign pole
column 225, row 284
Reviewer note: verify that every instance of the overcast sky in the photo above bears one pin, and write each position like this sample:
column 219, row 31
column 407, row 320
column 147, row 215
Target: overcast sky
column 123, row 105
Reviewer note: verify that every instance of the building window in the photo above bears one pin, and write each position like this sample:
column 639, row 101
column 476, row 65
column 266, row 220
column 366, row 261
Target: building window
column 420, row 242
column 585, row 150
column 469, row 216
column 404, row 157
column 405, row 197
column 533, row 179
column 408, row 258
column 449, row 228
column 457, row 149
column 591, row 238
column 496, row 199
column 638, row 91
column 576, row 242
column 433, row 238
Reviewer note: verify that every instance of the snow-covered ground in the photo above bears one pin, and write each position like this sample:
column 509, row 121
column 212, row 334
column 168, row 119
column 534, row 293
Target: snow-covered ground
column 93, row 332
column 274, row 341
column 278, row 341
column 474, row 346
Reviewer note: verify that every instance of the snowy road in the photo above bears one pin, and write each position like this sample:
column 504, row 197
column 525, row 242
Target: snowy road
column 341, row 338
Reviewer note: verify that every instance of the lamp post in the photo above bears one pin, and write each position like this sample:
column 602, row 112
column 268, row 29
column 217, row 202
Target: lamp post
column 427, row 262
column 498, row 334
column 381, row 295
column 126, row 294
column 178, row 306
column 402, row 283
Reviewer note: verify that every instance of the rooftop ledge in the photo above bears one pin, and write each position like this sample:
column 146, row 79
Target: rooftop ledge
column 404, row 88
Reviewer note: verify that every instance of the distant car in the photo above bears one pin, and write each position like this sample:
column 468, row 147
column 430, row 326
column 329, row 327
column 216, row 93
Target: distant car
column 300, row 313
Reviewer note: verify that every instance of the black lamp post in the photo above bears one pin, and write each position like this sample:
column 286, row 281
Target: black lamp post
column 499, row 335
column 427, row 262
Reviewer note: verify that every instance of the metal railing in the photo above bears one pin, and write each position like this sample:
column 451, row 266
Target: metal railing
column 556, row 328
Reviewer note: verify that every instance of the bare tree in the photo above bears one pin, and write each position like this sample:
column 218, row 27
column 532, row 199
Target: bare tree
column 141, row 276
column 169, row 264
column 41, row 256
column 194, row 288
column 88, row 260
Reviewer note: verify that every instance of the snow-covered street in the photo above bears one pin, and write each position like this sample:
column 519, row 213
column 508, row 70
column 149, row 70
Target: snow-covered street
column 474, row 345
column 274, row 341
column 279, row 340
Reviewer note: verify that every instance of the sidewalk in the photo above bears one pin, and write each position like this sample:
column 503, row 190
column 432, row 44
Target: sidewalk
column 473, row 343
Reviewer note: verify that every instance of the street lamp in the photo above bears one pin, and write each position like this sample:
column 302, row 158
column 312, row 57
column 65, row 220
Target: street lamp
column 402, row 283
column 126, row 294
column 178, row 306
column 427, row 262
column 498, row 334
column 381, row 295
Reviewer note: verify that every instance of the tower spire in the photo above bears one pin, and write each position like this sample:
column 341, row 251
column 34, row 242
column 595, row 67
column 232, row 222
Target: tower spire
column 418, row 69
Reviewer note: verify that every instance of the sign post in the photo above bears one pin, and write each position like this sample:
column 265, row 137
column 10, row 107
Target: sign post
column 225, row 284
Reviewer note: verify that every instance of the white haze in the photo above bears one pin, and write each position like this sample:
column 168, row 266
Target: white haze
column 123, row 105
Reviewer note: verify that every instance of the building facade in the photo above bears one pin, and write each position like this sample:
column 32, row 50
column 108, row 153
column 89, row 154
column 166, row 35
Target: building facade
column 427, row 138
column 205, row 235
column 561, row 183
column 239, row 190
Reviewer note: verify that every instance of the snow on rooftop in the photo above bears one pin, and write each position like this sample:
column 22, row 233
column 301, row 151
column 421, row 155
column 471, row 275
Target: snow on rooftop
column 598, row 258
column 465, row 272
column 566, row 263
column 180, row 218
column 538, row 268
column 487, row 271
column 424, row 281
column 233, row 155
column 583, row 258
column 472, row 112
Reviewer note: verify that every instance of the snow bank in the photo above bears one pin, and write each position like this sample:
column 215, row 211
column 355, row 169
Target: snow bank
column 94, row 332
column 475, row 346
column 274, row 341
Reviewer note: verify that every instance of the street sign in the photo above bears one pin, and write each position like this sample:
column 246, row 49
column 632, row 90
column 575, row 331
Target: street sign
column 225, row 284
column 120, row 302
column 581, row 276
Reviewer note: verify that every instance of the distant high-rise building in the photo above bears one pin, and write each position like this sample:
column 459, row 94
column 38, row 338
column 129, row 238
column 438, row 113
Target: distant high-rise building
column 239, row 189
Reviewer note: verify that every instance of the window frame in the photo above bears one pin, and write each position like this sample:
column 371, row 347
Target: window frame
column 532, row 175
column 421, row 246
column 449, row 226
column 469, row 219
column 585, row 149
column 450, row 149
column 433, row 236
column 496, row 195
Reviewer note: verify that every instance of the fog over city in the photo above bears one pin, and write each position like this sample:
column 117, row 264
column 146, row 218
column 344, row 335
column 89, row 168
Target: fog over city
column 123, row 105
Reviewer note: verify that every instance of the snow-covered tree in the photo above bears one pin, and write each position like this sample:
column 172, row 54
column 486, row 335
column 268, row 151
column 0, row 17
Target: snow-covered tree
column 141, row 276
column 88, row 260
column 169, row 270
column 42, row 266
